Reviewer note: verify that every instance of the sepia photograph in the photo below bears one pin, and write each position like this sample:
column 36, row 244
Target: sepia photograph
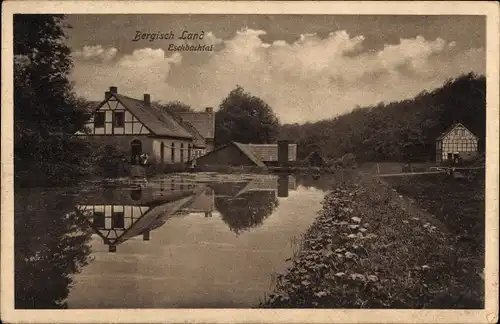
column 196, row 156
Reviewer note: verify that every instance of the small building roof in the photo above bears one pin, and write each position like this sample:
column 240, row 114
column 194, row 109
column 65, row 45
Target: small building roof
column 204, row 122
column 269, row 152
column 198, row 139
column 246, row 149
column 452, row 127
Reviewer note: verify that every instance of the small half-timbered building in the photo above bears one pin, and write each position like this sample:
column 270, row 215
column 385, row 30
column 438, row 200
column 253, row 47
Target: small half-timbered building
column 142, row 126
column 457, row 142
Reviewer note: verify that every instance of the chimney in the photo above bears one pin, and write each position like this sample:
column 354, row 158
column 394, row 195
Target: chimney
column 283, row 153
column 107, row 94
column 147, row 98
column 113, row 90
column 145, row 235
column 209, row 110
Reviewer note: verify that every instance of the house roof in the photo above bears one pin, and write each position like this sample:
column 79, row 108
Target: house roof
column 269, row 152
column 452, row 127
column 198, row 139
column 161, row 124
column 204, row 122
column 245, row 148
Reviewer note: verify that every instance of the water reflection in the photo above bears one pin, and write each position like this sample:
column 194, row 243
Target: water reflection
column 51, row 244
column 52, row 231
column 117, row 216
column 253, row 203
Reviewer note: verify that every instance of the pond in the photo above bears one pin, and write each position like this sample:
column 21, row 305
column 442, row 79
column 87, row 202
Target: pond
column 178, row 241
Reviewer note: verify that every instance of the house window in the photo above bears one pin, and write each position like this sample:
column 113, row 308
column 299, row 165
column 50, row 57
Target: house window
column 119, row 118
column 118, row 220
column 172, row 152
column 189, row 152
column 99, row 219
column 182, row 152
column 99, row 119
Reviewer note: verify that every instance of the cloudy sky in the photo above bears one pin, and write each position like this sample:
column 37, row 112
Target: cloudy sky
column 306, row 68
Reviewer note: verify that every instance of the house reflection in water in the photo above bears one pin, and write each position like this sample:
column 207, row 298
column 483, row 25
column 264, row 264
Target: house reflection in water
column 119, row 215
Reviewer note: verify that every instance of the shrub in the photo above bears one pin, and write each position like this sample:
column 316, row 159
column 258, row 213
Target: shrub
column 110, row 161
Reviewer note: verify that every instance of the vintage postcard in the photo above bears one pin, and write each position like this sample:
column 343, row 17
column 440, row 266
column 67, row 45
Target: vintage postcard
column 250, row 162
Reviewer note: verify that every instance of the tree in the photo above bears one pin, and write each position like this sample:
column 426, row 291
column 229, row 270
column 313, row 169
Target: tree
column 176, row 106
column 246, row 119
column 46, row 111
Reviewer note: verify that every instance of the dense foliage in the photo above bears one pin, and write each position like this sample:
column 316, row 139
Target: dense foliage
column 398, row 130
column 246, row 119
column 46, row 111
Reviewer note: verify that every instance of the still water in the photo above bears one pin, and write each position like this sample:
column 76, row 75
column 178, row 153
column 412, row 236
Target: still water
column 179, row 241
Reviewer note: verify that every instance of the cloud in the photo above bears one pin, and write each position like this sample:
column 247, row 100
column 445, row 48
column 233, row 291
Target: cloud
column 96, row 52
column 144, row 70
column 310, row 79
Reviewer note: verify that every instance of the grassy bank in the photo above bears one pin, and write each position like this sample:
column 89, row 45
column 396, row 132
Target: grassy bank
column 460, row 207
column 371, row 248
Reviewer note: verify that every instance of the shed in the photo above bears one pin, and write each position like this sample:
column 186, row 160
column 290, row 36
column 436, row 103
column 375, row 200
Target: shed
column 232, row 154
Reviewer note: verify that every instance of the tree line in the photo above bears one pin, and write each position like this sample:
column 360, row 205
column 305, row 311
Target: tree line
column 399, row 130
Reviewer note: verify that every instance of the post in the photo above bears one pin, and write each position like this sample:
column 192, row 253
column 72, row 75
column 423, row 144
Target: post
column 283, row 181
column 283, row 153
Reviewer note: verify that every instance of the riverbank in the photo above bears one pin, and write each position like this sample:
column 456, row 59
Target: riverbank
column 370, row 247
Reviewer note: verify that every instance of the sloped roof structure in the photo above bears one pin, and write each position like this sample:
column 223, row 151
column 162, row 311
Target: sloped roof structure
column 158, row 122
column 245, row 148
column 451, row 128
column 269, row 152
column 202, row 121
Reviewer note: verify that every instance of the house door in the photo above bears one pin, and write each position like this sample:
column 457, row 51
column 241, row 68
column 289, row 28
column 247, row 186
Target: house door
column 450, row 156
column 135, row 150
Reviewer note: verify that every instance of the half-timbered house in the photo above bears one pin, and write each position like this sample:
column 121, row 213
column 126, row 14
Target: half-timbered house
column 457, row 142
column 142, row 126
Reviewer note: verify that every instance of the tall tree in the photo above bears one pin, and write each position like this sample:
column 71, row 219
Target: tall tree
column 46, row 111
column 245, row 118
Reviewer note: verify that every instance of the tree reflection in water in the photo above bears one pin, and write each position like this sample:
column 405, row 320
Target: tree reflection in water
column 247, row 210
column 51, row 244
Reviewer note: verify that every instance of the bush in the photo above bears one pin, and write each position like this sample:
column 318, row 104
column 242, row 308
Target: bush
column 346, row 161
column 109, row 161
